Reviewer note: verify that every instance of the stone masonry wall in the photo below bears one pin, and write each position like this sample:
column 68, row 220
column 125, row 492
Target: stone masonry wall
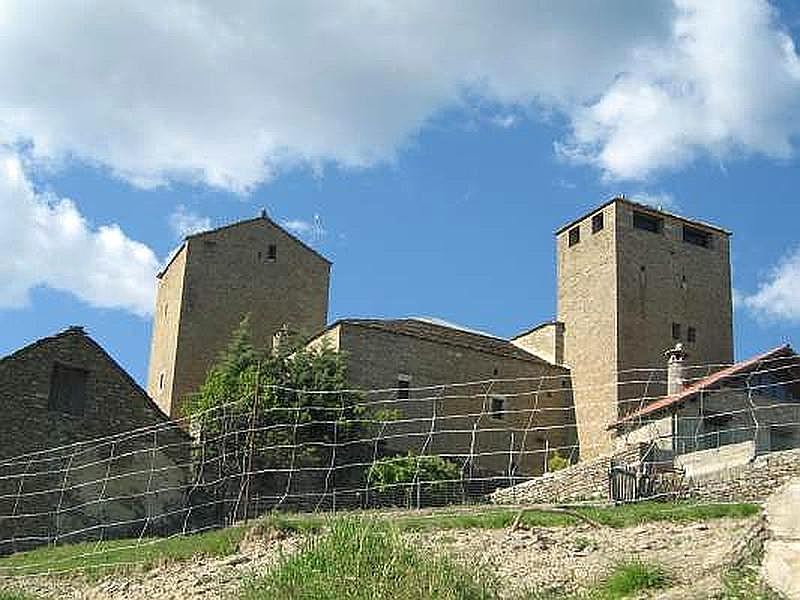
column 753, row 482
column 118, row 469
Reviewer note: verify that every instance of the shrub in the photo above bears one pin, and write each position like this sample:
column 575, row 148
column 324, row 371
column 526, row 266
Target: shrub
column 557, row 462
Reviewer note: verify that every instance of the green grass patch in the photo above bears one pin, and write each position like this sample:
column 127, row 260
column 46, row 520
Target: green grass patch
column 629, row 515
column 96, row 557
column 492, row 517
column 629, row 578
column 362, row 559
column 12, row 595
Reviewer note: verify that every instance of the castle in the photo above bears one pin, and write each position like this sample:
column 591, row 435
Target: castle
column 631, row 279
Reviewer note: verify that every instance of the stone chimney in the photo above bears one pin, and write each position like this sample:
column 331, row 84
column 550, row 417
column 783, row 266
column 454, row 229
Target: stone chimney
column 676, row 359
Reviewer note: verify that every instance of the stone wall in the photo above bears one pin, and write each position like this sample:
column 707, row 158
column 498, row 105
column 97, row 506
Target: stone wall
column 753, row 482
column 456, row 420
column 587, row 480
column 223, row 275
column 118, row 468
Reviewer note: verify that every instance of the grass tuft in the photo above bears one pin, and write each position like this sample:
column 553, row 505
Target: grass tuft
column 629, row 578
column 361, row 559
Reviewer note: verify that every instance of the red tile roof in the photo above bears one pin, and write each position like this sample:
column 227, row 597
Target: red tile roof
column 704, row 384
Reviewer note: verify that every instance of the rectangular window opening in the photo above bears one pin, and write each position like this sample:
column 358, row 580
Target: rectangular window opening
column 68, row 390
column 403, row 387
column 698, row 237
column 676, row 331
column 497, row 407
column 272, row 252
column 161, row 381
column 597, row 223
column 648, row 222
column 574, row 235
column 691, row 335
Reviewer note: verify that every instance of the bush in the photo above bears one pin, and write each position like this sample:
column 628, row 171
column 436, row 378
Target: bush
column 394, row 471
column 557, row 462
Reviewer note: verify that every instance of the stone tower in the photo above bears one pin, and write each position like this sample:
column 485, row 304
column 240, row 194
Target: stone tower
column 633, row 281
column 215, row 278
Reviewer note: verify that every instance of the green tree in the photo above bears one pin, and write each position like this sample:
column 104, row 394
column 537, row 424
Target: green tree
column 258, row 412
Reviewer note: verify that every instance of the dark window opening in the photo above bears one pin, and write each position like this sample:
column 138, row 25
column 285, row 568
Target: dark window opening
column 574, row 235
column 272, row 252
column 698, row 237
column 497, row 407
column 676, row 331
column 648, row 222
column 161, row 381
column 403, row 386
column 597, row 223
column 691, row 335
column 68, row 390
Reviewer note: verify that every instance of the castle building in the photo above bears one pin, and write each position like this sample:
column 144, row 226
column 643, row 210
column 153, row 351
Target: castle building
column 213, row 280
column 632, row 281
column 479, row 400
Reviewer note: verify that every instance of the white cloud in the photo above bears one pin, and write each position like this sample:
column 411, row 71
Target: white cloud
column 779, row 297
column 229, row 93
column 46, row 242
column 304, row 228
column 726, row 82
column 660, row 200
column 185, row 222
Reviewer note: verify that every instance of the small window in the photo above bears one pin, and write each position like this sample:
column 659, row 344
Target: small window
column 272, row 252
column 691, row 335
column 166, row 310
column 676, row 331
column 597, row 222
column 161, row 381
column 698, row 237
column 403, row 387
column 497, row 407
column 68, row 390
column 648, row 222
column 574, row 235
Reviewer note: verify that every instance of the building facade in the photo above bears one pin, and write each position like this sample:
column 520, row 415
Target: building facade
column 84, row 452
column 214, row 279
column 476, row 399
column 633, row 281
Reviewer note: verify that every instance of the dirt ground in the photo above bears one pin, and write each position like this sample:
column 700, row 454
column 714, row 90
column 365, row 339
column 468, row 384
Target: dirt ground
column 566, row 558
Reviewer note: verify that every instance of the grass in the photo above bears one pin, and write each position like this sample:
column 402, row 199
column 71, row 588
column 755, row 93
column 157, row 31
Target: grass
column 746, row 584
column 630, row 578
column 93, row 558
column 11, row 595
column 499, row 517
column 367, row 560
column 96, row 558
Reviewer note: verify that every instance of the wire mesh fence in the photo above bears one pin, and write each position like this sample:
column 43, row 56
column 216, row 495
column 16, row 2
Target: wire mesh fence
column 361, row 449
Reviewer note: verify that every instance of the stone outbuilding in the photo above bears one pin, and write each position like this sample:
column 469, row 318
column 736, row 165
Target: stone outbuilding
column 479, row 400
column 84, row 452
column 724, row 419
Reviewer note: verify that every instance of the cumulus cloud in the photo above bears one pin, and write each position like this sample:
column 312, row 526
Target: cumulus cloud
column 779, row 296
column 185, row 222
column 47, row 242
column 230, row 93
column 726, row 82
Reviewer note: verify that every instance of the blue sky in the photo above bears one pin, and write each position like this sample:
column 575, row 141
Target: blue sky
column 436, row 149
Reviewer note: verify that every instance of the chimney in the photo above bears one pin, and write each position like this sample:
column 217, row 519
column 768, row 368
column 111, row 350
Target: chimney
column 676, row 358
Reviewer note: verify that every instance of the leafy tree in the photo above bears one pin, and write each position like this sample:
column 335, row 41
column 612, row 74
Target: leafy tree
column 261, row 411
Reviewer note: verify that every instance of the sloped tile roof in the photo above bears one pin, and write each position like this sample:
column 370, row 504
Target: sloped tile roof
column 445, row 334
column 704, row 384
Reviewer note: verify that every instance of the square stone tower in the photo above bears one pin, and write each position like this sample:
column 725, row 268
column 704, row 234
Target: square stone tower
column 215, row 278
column 633, row 281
